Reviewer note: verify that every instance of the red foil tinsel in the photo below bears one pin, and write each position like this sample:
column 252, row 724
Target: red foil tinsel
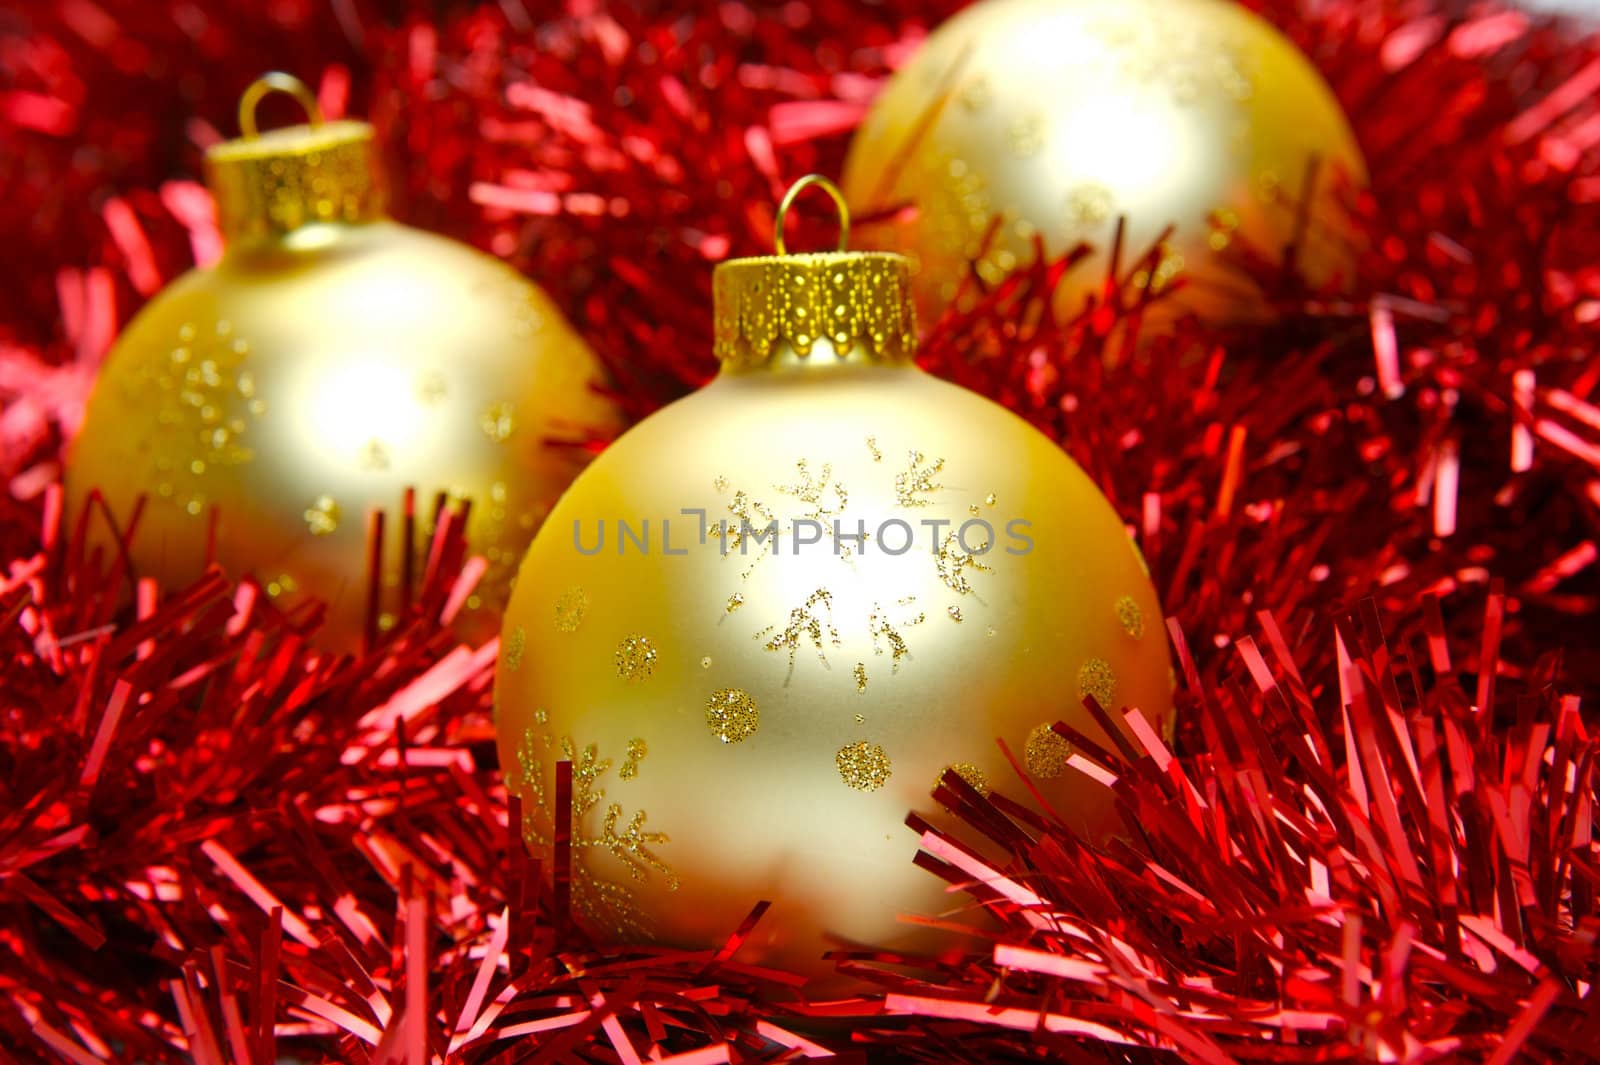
column 1373, row 524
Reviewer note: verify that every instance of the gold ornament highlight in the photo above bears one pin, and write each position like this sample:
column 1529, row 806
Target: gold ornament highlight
column 767, row 618
column 1049, row 119
column 330, row 360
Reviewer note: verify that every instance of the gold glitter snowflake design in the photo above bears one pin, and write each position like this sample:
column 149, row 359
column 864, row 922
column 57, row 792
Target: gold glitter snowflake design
column 811, row 622
column 952, row 562
column 604, row 902
column 826, row 497
column 1046, row 752
column 637, row 749
column 823, row 500
column 820, row 491
column 1096, row 678
column 886, row 635
column 1188, row 64
column 863, row 765
column 750, row 521
column 205, row 400
column 732, row 715
column 913, row 486
column 636, row 658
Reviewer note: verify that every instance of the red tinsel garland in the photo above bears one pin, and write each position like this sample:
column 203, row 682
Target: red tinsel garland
column 1373, row 523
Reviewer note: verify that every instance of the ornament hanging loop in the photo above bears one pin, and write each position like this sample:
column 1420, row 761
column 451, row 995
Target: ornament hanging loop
column 266, row 85
column 788, row 201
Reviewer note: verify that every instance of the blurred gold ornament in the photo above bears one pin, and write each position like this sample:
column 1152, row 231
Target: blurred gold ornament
column 330, row 360
column 767, row 618
column 1050, row 119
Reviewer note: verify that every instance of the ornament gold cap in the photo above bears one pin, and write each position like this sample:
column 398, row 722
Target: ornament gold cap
column 859, row 302
column 269, row 184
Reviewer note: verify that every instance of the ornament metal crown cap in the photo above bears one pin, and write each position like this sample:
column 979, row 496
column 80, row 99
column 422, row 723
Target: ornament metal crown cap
column 269, row 184
column 857, row 302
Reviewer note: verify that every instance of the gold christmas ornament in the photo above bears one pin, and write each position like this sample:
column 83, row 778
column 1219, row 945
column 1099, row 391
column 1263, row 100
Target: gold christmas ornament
column 1049, row 119
column 330, row 360
column 766, row 619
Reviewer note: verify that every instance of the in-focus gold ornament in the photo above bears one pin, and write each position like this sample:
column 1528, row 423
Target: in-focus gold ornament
column 330, row 360
column 1049, row 119
column 766, row 619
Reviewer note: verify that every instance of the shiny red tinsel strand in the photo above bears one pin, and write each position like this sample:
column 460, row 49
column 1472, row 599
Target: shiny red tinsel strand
column 1374, row 525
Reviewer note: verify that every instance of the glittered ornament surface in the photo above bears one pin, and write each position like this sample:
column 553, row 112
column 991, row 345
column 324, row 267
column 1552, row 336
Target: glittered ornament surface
column 264, row 408
column 808, row 590
column 1024, row 121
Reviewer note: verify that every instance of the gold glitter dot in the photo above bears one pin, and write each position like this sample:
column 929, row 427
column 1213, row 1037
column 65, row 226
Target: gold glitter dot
column 705, row 663
column 735, row 601
column 1096, row 678
column 636, row 752
column 861, row 719
column 431, row 387
column 732, row 715
column 322, row 516
column 498, row 422
column 861, row 679
column 636, row 658
column 516, row 643
column 1046, row 752
column 1025, row 135
column 975, row 95
column 955, row 613
column 872, row 446
column 571, row 605
column 989, row 499
column 374, row 457
column 1088, row 205
column 541, row 716
column 1131, row 616
column 863, row 765
column 720, row 484
column 968, row 772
